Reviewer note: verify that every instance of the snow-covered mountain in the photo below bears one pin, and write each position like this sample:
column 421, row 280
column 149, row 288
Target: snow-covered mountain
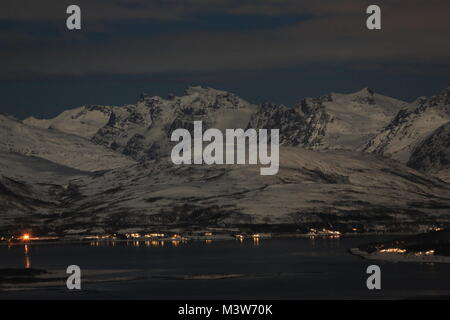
column 28, row 190
column 433, row 154
column 341, row 189
column 142, row 130
column 56, row 146
column 331, row 184
column 338, row 188
column 291, row 123
column 82, row 121
column 351, row 119
column 332, row 121
column 417, row 133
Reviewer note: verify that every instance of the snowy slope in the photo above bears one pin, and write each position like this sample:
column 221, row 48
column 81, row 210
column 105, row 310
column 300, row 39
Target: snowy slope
column 83, row 121
column 142, row 130
column 408, row 130
column 332, row 121
column 339, row 189
column 433, row 154
column 68, row 150
column 352, row 119
column 28, row 190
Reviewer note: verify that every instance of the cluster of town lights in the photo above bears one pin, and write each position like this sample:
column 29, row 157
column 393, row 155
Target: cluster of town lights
column 333, row 234
column 398, row 250
column 425, row 253
column 393, row 250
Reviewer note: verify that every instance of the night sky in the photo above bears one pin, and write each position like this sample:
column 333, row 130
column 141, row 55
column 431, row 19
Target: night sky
column 261, row 50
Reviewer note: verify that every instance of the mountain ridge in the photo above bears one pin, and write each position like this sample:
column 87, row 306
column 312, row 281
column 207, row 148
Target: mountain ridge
column 410, row 128
column 325, row 180
column 323, row 119
column 59, row 147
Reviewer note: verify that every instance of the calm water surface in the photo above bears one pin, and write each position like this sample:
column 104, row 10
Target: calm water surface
column 268, row 269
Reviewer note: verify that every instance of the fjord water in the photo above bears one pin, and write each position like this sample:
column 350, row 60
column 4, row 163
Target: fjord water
column 294, row 268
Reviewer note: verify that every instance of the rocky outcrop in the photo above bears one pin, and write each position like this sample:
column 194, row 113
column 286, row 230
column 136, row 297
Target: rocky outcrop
column 411, row 129
column 433, row 154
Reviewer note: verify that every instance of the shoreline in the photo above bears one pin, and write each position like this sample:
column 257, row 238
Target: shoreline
column 196, row 239
column 399, row 257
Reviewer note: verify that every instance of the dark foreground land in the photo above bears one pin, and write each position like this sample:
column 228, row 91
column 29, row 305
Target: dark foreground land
column 438, row 242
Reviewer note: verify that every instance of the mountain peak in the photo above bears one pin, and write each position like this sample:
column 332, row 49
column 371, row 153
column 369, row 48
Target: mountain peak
column 365, row 96
column 148, row 99
column 364, row 92
column 145, row 96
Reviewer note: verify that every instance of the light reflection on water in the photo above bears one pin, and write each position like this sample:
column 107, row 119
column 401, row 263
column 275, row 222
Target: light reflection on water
column 27, row 257
column 255, row 241
column 329, row 241
column 175, row 243
column 290, row 268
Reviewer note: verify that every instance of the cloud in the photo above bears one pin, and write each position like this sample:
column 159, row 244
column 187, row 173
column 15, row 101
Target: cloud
column 184, row 9
column 413, row 32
